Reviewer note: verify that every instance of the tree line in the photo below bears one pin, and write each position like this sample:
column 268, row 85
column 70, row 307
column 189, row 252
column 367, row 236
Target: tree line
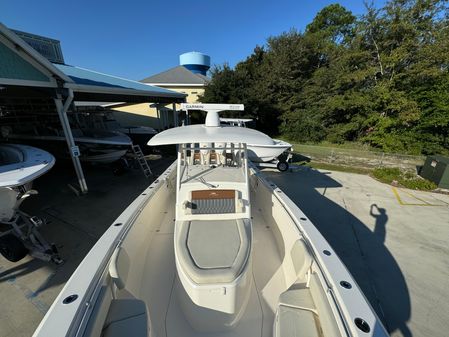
column 381, row 78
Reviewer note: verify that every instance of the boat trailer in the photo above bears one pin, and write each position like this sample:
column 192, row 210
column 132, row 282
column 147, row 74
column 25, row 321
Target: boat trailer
column 280, row 163
column 23, row 236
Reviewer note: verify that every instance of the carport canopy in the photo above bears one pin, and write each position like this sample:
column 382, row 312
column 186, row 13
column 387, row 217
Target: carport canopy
column 89, row 85
column 26, row 73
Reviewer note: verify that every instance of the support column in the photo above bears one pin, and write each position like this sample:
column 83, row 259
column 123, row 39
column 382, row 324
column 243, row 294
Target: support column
column 164, row 123
column 73, row 149
column 166, row 118
column 175, row 115
column 158, row 113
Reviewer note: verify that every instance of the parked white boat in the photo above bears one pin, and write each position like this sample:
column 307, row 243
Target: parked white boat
column 236, row 121
column 105, row 120
column 96, row 146
column 211, row 248
column 19, row 166
column 267, row 151
column 139, row 134
column 259, row 153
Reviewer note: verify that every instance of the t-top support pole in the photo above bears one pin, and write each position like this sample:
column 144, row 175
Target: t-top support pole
column 73, row 149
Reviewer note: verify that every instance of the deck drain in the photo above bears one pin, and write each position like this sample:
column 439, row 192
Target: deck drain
column 303, row 219
column 346, row 284
column 362, row 325
column 118, row 224
column 70, row 299
column 326, row 252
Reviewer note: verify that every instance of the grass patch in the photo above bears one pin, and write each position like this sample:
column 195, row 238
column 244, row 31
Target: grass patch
column 386, row 175
column 336, row 167
column 405, row 179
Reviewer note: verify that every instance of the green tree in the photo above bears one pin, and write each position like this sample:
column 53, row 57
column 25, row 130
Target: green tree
column 381, row 78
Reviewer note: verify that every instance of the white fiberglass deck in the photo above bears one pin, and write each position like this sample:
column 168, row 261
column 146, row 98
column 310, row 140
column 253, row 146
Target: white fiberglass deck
column 295, row 286
column 159, row 281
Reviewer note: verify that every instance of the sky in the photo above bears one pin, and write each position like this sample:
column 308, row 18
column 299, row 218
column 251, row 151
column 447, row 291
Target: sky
column 136, row 39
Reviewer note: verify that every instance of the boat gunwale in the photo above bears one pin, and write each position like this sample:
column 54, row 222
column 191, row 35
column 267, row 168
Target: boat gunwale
column 348, row 303
column 78, row 311
column 332, row 271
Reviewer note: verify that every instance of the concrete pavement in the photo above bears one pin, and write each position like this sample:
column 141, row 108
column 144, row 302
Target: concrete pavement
column 394, row 242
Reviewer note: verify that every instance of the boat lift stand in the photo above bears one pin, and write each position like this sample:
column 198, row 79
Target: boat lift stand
column 24, row 237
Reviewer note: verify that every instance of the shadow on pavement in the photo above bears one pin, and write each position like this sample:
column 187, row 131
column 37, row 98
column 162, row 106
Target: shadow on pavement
column 74, row 223
column 361, row 250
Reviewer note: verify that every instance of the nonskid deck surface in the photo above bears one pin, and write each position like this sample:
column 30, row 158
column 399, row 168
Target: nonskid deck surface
column 159, row 282
column 229, row 174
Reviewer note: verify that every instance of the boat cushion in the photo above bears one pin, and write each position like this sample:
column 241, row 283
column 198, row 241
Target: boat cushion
column 126, row 317
column 214, row 245
column 213, row 206
column 214, row 251
column 213, row 201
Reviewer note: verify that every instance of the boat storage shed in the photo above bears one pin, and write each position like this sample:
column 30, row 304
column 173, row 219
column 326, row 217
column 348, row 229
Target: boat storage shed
column 26, row 74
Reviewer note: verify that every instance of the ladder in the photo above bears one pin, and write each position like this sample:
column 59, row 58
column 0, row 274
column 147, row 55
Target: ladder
column 142, row 161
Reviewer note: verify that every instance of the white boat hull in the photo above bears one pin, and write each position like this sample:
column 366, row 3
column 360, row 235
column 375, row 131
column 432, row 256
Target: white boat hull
column 23, row 165
column 96, row 146
column 104, row 158
column 266, row 153
column 19, row 166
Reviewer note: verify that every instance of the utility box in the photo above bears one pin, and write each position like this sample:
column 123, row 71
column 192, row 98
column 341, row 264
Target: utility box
column 436, row 169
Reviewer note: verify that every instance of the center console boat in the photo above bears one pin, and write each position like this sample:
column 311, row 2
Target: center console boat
column 211, row 248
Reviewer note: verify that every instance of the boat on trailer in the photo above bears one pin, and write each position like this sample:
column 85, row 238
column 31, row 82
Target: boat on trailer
column 236, row 121
column 95, row 145
column 211, row 248
column 19, row 232
column 105, row 120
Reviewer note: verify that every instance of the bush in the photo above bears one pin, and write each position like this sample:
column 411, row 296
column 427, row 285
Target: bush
column 405, row 179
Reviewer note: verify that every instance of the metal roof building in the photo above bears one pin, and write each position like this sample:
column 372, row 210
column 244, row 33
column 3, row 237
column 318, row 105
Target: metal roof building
column 91, row 85
column 25, row 73
column 177, row 76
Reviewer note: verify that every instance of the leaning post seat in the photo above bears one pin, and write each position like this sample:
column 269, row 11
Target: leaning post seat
column 214, row 267
column 213, row 201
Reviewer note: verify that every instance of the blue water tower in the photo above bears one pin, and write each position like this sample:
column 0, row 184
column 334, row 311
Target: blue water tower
column 197, row 63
